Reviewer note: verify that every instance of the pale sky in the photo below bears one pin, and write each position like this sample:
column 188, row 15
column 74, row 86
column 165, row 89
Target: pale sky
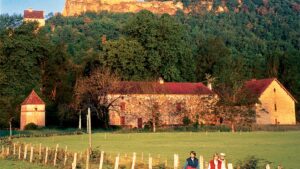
column 18, row 6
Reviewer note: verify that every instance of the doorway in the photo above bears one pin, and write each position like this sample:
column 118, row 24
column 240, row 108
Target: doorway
column 140, row 123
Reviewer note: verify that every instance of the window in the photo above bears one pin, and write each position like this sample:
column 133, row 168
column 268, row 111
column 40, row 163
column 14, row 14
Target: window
column 122, row 120
column 35, row 108
column 221, row 120
column 122, row 106
column 275, row 107
column 178, row 107
column 274, row 90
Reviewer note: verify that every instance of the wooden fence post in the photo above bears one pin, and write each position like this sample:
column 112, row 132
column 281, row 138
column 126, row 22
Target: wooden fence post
column 176, row 161
column 80, row 156
column 74, row 164
column 2, row 150
column 19, row 155
column 201, row 159
column 25, row 152
column 55, row 155
column 40, row 152
column 7, row 151
column 46, row 155
column 230, row 166
column 268, row 166
column 101, row 160
column 150, row 162
column 14, row 152
column 87, row 165
column 133, row 160
column 205, row 164
column 117, row 161
column 65, row 160
column 31, row 154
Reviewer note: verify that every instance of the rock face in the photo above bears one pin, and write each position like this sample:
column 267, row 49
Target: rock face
column 76, row 7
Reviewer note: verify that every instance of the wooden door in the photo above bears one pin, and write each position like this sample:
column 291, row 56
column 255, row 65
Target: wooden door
column 140, row 123
column 122, row 120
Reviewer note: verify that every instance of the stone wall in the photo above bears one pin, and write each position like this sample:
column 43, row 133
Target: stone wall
column 171, row 108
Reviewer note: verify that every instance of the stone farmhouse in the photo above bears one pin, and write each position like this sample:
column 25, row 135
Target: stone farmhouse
column 277, row 105
column 170, row 100
column 174, row 100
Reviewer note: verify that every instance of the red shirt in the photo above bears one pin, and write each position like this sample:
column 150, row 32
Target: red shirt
column 213, row 166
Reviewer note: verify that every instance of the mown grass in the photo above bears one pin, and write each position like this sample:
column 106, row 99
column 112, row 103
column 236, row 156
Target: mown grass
column 277, row 147
column 12, row 164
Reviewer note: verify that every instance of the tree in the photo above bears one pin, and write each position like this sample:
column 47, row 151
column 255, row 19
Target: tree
column 126, row 58
column 22, row 50
column 10, row 21
column 93, row 91
column 210, row 54
column 235, row 102
column 160, row 107
column 152, row 103
column 164, row 40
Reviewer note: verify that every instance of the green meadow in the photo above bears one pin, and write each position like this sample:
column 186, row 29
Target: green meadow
column 11, row 164
column 277, row 147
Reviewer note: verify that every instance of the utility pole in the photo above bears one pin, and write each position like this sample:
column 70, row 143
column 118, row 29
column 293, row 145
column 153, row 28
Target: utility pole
column 10, row 128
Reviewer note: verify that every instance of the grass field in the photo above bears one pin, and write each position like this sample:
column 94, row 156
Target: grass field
column 9, row 164
column 278, row 147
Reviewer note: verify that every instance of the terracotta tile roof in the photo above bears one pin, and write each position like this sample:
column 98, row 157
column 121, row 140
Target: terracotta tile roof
column 164, row 88
column 33, row 98
column 32, row 14
column 257, row 87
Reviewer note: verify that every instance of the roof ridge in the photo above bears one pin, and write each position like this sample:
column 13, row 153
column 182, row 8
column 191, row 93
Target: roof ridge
column 33, row 98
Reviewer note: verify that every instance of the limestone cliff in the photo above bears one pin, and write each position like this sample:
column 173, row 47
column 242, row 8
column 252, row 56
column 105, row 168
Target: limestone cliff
column 76, row 7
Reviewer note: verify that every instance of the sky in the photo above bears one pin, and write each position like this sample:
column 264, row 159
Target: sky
column 18, row 6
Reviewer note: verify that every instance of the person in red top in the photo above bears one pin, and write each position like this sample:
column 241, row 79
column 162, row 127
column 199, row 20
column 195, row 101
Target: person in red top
column 215, row 163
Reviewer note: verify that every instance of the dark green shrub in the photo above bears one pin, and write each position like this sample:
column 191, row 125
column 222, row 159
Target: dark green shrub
column 196, row 125
column 115, row 127
column 31, row 126
column 252, row 162
column 186, row 121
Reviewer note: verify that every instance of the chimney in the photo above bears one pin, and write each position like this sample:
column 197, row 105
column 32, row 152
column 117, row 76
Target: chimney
column 161, row 80
column 209, row 85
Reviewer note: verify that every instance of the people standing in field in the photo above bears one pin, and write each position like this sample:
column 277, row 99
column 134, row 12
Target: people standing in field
column 192, row 162
column 215, row 163
column 223, row 161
